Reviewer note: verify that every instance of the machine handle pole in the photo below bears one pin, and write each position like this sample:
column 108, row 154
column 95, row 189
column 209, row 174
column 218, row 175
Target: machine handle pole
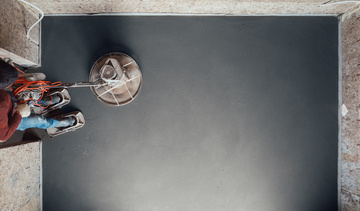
column 79, row 84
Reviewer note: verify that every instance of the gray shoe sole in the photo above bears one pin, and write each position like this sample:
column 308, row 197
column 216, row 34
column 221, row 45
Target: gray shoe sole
column 79, row 123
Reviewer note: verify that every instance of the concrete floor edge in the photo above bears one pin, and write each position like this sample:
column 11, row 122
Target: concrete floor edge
column 40, row 40
column 339, row 108
column 194, row 14
column 41, row 143
column 41, row 176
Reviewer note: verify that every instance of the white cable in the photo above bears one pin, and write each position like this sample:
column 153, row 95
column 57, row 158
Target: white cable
column 42, row 16
column 339, row 2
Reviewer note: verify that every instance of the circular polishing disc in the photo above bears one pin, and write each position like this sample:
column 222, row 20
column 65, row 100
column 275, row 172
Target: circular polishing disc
column 121, row 77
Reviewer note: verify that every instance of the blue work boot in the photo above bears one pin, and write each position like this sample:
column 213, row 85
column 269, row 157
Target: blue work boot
column 50, row 101
column 66, row 122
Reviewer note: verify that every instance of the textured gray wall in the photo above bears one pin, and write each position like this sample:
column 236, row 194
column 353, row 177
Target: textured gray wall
column 14, row 22
column 350, row 172
column 192, row 6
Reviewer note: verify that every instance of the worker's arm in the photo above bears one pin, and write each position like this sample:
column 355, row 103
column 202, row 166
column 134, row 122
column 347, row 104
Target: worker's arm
column 12, row 125
column 22, row 110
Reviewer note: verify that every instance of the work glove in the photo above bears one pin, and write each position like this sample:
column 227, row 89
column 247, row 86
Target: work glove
column 23, row 109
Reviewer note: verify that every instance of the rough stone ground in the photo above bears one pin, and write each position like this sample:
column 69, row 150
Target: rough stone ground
column 20, row 178
column 20, row 166
column 350, row 171
column 14, row 23
column 242, row 7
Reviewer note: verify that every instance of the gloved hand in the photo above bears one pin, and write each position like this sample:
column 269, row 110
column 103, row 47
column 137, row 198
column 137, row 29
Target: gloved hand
column 23, row 109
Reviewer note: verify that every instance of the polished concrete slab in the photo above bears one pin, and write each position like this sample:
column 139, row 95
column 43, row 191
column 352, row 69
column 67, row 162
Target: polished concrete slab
column 235, row 113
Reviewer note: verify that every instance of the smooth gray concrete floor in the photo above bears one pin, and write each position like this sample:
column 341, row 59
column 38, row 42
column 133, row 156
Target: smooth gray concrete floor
column 235, row 113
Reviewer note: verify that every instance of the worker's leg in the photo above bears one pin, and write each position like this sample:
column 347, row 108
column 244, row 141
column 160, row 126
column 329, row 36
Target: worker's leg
column 46, row 101
column 43, row 123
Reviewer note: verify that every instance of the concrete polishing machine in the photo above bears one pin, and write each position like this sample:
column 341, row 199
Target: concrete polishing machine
column 115, row 79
